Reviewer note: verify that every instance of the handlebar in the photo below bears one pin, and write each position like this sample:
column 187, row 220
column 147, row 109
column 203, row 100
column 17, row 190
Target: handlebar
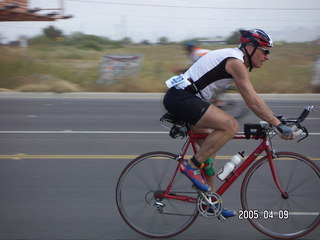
column 294, row 123
column 305, row 113
column 300, row 119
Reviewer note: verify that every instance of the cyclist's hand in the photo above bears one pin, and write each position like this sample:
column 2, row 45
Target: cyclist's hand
column 284, row 131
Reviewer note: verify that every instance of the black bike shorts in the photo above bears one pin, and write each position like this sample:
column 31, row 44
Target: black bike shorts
column 184, row 105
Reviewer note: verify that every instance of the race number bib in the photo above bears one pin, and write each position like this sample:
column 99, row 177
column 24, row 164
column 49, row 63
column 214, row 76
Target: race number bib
column 177, row 80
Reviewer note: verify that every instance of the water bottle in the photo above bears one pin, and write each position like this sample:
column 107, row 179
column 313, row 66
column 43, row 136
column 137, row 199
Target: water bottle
column 230, row 166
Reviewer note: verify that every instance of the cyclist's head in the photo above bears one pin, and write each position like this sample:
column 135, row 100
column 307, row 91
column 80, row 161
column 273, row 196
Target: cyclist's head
column 256, row 37
column 188, row 46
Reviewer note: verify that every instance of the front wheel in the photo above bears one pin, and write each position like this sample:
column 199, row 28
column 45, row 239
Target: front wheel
column 140, row 201
column 284, row 217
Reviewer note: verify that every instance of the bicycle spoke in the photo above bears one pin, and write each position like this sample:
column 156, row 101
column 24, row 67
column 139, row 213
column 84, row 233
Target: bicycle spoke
column 157, row 172
column 297, row 204
column 291, row 177
column 298, row 186
column 142, row 179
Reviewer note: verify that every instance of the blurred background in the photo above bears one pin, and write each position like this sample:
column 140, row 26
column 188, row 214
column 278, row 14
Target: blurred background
column 134, row 46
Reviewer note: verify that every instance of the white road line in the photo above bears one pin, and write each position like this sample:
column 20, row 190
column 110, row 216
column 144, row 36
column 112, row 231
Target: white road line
column 295, row 213
column 94, row 132
column 21, row 156
column 82, row 132
column 304, row 213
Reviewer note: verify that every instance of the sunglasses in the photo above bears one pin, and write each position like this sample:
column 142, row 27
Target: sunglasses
column 265, row 51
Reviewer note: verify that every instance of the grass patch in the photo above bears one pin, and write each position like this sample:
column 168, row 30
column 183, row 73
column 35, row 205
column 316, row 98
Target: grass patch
column 71, row 68
column 46, row 83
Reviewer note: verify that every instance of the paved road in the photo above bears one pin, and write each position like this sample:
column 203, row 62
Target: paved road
column 60, row 159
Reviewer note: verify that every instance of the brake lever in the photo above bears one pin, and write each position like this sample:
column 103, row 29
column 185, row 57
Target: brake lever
column 306, row 132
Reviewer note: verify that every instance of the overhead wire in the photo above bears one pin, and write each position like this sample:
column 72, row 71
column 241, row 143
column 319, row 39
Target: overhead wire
column 199, row 7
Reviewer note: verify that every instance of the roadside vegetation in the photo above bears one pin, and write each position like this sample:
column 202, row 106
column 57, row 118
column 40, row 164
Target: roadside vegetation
column 64, row 64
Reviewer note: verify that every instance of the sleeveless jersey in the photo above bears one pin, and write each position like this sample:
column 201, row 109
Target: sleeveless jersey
column 209, row 73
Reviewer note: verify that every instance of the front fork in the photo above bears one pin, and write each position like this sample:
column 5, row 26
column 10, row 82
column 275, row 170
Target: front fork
column 271, row 155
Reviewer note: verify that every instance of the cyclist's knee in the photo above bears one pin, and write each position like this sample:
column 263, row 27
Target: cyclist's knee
column 231, row 127
column 235, row 126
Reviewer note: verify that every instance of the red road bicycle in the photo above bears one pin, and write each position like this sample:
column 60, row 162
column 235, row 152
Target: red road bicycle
column 279, row 193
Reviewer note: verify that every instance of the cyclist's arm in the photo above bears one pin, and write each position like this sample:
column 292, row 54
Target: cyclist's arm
column 240, row 75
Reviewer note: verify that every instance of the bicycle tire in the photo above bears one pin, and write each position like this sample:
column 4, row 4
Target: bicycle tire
column 278, row 217
column 138, row 183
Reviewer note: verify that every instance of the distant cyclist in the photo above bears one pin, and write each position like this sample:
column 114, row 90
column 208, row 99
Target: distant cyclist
column 194, row 53
column 189, row 93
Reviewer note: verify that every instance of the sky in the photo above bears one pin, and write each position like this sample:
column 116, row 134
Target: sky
column 289, row 20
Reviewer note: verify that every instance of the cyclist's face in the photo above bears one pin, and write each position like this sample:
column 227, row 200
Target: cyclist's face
column 261, row 55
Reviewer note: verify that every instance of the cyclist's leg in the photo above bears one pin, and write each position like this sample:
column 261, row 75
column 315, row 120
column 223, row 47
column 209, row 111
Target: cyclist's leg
column 225, row 127
column 194, row 129
column 204, row 116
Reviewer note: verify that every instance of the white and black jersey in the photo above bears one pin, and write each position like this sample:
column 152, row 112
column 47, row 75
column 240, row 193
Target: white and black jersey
column 209, row 73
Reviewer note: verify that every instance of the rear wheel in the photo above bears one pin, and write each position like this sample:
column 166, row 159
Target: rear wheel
column 139, row 200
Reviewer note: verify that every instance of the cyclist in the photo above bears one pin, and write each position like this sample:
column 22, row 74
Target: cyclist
column 189, row 93
column 194, row 52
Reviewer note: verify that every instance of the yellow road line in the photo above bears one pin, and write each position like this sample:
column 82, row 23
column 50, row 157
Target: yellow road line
column 26, row 156
column 21, row 156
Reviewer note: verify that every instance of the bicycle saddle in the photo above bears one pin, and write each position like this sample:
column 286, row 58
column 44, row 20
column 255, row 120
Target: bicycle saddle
column 179, row 128
column 168, row 117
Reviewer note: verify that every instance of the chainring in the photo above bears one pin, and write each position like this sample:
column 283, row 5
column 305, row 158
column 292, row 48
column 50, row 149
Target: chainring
column 209, row 204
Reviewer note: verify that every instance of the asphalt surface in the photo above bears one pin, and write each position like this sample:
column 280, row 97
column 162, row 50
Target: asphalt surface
column 60, row 158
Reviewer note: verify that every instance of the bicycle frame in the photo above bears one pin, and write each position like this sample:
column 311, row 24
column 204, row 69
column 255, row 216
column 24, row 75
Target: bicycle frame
column 264, row 146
